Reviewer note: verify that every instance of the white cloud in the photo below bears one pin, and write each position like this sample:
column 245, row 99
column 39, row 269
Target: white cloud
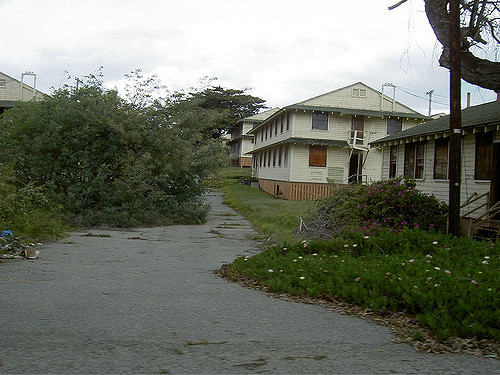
column 286, row 51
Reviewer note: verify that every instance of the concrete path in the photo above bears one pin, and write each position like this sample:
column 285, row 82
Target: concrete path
column 147, row 301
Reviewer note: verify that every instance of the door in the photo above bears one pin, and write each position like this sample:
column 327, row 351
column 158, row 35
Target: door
column 355, row 168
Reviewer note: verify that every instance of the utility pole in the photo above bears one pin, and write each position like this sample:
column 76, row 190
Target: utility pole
column 454, row 167
column 430, row 100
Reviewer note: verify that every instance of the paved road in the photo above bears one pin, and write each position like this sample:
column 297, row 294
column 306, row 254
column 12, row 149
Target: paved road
column 147, row 301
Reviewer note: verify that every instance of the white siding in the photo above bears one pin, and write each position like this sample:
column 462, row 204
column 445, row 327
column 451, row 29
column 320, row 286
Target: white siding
column 12, row 90
column 343, row 98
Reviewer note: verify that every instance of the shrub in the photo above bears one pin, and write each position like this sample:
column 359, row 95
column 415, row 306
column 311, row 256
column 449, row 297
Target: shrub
column 397, row 204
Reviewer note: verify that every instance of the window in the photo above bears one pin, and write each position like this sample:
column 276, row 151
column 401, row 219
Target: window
column 288, row 118
column 317, row 156
column 262, row 135
column 394, row 125
column 358, row 129
column 414, row 160
column 285, row 161
column 265, row 158
column 359, row 93
column 393, row 161
column 271, row 130
column 260, row 159
column 441, row 159
column 320, row 121
column 3, row 83
column 276, row 127
column 280, row 154
column 269, row 159
column 484, row 156
column 281, row 122
column 274, row 158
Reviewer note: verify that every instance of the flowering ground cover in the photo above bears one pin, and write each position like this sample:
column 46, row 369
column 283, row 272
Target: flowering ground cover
column 449, row 285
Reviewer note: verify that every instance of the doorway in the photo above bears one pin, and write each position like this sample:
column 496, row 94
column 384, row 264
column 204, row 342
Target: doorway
column 355, row 168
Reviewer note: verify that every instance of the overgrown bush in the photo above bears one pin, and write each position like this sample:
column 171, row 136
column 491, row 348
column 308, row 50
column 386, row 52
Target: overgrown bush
column 27, row 211
column 397, row 204
column 105, row 160
column 391, row 205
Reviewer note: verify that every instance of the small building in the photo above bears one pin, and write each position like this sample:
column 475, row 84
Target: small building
column 300, row 149
column 11, row 92
column 240, row 142
column 422, row 153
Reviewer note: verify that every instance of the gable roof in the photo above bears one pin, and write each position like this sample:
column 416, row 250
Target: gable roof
column 479, row 115
column 259, row 117
column 333, row 101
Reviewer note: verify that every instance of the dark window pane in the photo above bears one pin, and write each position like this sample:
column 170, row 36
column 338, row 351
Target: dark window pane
column 320, row 121
column 484, row 156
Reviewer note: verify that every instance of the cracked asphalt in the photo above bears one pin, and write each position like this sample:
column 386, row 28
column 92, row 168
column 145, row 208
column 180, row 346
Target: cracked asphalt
column 147, row 301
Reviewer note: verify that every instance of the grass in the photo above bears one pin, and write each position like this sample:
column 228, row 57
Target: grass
column 277, row 218
column 448, row 284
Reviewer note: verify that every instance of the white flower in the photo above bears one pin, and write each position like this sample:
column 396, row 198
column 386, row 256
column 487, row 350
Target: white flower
column 366, row 237
column 448, row 272
column 300, row 257
column 302, row 277
column 485, row 262
column 435, row 243
column 315, row 254
column 486, row 257
column 437, row 268
column 411, row 260
column 270, row 270
column 354, row 245
column 428, row 256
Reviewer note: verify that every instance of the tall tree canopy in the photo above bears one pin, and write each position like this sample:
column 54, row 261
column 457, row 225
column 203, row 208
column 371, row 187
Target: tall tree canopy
column 480, row 28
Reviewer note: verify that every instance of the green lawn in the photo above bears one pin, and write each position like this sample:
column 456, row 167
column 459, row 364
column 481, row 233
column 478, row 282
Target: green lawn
column 277, row 218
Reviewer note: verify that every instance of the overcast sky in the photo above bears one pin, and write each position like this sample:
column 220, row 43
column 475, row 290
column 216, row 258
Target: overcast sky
column 284, row 50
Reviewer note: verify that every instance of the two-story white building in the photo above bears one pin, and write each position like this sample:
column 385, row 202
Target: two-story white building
column 303, row 147
column 241, row 143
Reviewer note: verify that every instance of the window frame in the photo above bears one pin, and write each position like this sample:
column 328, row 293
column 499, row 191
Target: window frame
column 439, row 158
column 316, row 114
column 483, row 155
column 393, row 161
column 393, row 119
column 411, row 150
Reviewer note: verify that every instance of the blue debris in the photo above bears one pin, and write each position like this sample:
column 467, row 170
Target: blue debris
column 6, row 233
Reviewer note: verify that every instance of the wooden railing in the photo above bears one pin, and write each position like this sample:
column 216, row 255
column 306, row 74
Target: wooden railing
column 475, row 222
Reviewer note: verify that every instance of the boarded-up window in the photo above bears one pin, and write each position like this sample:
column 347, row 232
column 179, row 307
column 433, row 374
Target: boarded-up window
column 394, row 125
column 393, row 161
column 414, row 160
column 441, row 159
column 317, row 156
column 288, row 118
column 484, row 156
column 320, row 121
column 280, row 155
